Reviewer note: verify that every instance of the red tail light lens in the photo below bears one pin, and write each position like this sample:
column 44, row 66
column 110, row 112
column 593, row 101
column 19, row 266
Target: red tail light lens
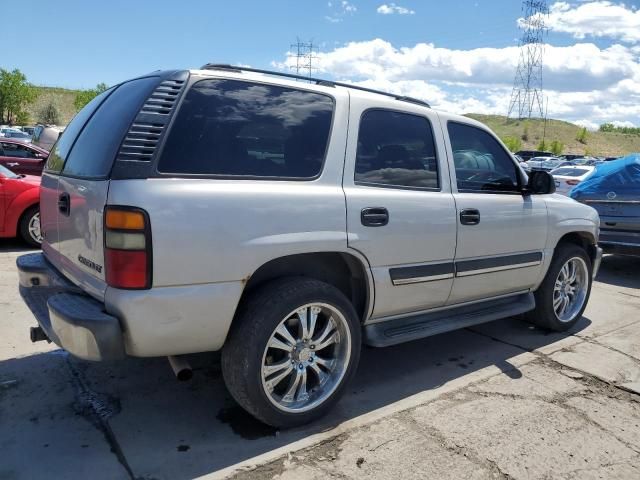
column 127, row 242
column 573, row 182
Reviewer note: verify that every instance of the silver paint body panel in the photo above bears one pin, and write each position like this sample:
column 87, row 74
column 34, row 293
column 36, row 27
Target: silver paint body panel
column 210, row 235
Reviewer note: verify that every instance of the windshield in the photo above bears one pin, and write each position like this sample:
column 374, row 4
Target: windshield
column 4, row 171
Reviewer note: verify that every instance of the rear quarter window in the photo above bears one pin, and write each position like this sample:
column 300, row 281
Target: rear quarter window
column 245, row 129
column 95, row 149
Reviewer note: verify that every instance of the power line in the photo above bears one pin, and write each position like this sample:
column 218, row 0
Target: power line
column 304, row 54
column 527, row 96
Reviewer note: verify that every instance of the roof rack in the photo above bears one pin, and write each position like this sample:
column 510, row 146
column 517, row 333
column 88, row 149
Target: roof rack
column 317, row 81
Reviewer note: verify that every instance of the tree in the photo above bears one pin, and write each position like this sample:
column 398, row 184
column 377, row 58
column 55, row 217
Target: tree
column 85, row 96
column 49, row 114
column 582, row 135
column 15, row 94
column 542, row 146
column 556, row 147
column 607, row 127
column 513, row 143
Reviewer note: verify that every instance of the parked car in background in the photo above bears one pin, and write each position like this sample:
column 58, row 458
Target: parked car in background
column 4, row 131
column 613, row 189
column 22, row 158
column 568, row 177
column 527, row 155
column 546, row 163
column 18, row 135
column 28, row 130
column 298, row 206
column 19, row 206
column 44, row 136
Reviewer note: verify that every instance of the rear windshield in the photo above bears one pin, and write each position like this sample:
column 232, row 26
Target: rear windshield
column 236, row 128
column 95, row 149
column 570, row 172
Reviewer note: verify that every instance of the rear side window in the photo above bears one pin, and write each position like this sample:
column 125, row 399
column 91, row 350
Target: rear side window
column 236, row 128
column 94, row 151
column 62, row 147
column 396, row 149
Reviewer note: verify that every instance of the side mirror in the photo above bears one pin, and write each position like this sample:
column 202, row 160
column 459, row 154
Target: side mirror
column 540, row 183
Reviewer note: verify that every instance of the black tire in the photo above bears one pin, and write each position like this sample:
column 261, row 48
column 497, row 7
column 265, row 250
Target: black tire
column 255, row 321
column 24, row 226
column 544, row 314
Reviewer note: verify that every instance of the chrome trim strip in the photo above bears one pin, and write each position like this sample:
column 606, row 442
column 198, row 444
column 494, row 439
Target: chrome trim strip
column 623, row 244
column 497, row 269
column 429, row 278
column 634, row 202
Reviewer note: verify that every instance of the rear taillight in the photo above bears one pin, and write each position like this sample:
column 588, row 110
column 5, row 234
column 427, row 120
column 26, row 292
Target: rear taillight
column 127, row 242
column 572, row 182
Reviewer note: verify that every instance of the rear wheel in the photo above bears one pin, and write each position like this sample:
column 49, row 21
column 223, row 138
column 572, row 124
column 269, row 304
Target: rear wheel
column 30, row 226
column 293, row 348
column 564, row 292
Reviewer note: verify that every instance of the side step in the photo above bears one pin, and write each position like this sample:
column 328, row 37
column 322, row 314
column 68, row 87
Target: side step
column 392, row 332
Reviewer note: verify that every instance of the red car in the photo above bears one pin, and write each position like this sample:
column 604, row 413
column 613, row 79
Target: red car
column 19, row 206
column 22, row 158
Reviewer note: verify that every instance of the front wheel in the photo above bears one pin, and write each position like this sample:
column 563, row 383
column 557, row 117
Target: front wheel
column 293, row 348
column 564, row 292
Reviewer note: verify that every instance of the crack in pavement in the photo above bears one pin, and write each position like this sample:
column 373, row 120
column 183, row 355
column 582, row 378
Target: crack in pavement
column 97, row 411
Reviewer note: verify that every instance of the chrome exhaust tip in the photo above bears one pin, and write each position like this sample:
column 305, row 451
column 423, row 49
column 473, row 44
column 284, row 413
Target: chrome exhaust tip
column 181, row 368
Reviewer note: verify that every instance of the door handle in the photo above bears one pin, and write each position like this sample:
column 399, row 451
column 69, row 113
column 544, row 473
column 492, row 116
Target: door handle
column 469, row 216
column 64, row 204
column 374, row 216
column 13, row 164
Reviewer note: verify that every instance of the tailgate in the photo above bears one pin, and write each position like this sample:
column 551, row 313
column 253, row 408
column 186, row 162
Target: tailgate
column 82, row 159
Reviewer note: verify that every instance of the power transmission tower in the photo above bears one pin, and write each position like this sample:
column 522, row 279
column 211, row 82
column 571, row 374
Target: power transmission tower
column 526, row 96
column 304, row 54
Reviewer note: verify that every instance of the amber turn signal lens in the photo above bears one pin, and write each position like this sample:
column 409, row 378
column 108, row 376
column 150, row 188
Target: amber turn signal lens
column 124, row 219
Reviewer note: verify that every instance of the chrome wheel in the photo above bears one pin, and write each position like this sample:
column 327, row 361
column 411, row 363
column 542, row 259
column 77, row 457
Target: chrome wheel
column 570, row 289
column 306, row 357
column 34, row 228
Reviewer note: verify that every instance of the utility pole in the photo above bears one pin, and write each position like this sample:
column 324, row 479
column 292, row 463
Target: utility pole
column 526, row 96
column 305, row 54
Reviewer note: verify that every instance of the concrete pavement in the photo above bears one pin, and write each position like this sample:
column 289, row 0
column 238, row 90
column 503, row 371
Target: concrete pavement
column 500, row 400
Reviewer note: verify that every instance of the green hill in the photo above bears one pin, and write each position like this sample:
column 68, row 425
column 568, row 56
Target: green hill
column 62, row 98
column 606, row 144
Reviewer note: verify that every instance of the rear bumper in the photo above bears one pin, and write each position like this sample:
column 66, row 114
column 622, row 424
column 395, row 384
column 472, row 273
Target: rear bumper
column 71, row 319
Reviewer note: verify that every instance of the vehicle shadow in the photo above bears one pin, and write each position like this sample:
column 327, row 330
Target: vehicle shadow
column 620, row 270
column 161, row 428
column 14, row 245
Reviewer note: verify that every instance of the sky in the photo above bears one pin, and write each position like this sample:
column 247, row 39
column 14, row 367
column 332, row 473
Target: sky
column 459, row 55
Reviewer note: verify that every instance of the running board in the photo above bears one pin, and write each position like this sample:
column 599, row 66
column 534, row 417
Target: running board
column 405, row 329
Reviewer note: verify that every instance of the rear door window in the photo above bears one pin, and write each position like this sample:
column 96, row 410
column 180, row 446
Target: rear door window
column 396, row 150
column 95, row 149
column 237, row 128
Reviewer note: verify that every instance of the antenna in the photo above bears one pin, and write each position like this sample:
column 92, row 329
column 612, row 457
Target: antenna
column 305, row 54
column 526, row 96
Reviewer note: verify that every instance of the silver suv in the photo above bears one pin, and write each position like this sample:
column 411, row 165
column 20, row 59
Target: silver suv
column 286, row 223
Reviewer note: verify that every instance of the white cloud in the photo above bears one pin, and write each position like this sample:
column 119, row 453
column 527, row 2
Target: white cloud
column 596, row 19
column 581, row 81
column 592, row 126
column 339, row 10
column 392, row 8
column 626, row 123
